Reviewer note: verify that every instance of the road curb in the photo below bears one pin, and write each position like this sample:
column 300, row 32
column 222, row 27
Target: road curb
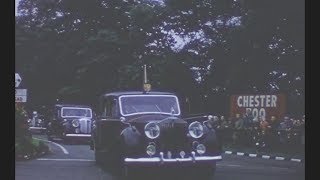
column 264, row 156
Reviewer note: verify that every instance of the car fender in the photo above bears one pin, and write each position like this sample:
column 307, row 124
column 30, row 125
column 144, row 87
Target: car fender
column 130, row 136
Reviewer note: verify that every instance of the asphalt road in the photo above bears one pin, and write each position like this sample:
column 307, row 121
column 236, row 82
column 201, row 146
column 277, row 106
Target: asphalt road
column 76, row 162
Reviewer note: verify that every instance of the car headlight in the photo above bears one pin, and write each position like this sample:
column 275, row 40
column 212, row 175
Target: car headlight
column 75, row 123
column 201, row 149
column 195, row 129
column 182, row 154
column 151, row 149
column 77, row 130
column 152, row 130
column 94, row 124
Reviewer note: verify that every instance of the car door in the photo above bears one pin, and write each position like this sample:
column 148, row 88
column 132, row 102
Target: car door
column 56, row 121
column 108, row 126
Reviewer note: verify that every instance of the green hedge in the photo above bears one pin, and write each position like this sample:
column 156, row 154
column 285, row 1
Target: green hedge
column 25, row 146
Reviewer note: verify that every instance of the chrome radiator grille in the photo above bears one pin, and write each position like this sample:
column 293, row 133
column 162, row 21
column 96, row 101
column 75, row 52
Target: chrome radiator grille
column 85, row 126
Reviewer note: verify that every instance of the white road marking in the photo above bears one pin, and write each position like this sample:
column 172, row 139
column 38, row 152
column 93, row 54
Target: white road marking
column 45, row 159
column 228, row 152
column 279, row 158
column 296, row 160
column 61, row 147
column 265, row 157
column 231, row 165
column 252, row 155
column 240, row 153
column 250, row 167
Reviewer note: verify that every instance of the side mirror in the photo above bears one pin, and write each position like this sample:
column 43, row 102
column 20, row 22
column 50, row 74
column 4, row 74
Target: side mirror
column 123, row 120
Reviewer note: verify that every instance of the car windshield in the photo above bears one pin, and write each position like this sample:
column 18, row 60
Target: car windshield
column 141, row 104
column 76, row 112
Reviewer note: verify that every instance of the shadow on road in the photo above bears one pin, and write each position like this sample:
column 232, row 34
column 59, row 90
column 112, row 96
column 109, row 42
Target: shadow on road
column 156, row 174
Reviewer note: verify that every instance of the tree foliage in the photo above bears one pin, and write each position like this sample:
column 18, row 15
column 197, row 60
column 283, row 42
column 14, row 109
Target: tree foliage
column 201, row 49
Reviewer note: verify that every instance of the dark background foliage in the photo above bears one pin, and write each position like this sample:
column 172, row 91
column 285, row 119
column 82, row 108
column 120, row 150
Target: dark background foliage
column 204, row 50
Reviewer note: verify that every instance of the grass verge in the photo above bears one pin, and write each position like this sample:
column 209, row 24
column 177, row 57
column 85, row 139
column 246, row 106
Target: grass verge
column 27, row 148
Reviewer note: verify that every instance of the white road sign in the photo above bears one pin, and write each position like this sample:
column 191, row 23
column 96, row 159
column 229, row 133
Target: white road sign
column 17, row 79
column 21, row 98
column 21, row 95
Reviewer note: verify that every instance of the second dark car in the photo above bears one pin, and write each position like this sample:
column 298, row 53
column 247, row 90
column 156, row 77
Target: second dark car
column 69, row 121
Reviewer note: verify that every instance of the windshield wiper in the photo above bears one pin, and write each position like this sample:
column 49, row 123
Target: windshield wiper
column 158, row 108
column 172, row 111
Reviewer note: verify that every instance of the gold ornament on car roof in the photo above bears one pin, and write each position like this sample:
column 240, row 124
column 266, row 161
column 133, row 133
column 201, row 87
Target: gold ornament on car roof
column 146, row 85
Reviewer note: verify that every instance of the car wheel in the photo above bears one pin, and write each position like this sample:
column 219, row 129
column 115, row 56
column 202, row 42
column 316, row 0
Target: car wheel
column 97, row 157
column 91, row 145
column 65, row 140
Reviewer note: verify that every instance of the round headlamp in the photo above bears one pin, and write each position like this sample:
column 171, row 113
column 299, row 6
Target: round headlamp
column 77, row 130
column 75, row 123
column 152, row 130
column 182, row 154
column 151, row 149
column 195, row 129
column 201, row 149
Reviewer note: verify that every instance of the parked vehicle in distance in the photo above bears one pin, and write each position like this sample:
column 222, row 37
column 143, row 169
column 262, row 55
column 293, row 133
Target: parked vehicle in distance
column 37, row 122
column 69, row 121
column 144, row 129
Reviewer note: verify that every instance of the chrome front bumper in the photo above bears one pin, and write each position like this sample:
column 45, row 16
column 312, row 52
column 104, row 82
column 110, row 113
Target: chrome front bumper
column 161, row 160
column 37, row 128
column 78, row 135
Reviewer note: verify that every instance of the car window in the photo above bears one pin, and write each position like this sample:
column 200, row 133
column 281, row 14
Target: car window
column 76, row 112
column 137, row 104
column 110, row 108
column 114, row 110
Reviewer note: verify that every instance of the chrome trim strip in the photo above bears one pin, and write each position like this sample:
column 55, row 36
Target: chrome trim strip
column 37, row 128
column 78, row 135
column 156, row 159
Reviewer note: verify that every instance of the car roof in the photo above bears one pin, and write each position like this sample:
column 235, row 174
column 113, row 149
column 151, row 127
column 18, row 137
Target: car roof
column 72, row 105
column 120, row 93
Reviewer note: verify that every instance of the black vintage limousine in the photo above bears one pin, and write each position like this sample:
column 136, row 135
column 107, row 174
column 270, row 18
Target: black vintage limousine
column 145, row 129
column 67, row 121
